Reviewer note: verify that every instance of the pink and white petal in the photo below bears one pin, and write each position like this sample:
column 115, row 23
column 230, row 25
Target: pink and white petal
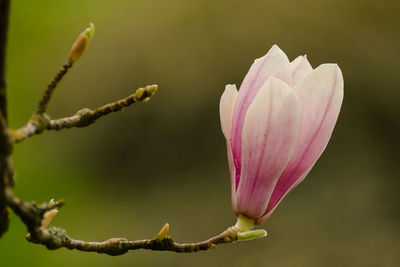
column 232, row 172
column 274, row 64
column 226, row 106
column 320, row 96
column 269, row 135
column 266, row 215
column 295, row 63
column 301, row 70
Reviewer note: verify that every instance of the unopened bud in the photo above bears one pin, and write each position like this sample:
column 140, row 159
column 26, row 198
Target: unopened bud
column 48, row 217
column 139, row 93
column 81, row 43
column 146, row 99
column 151, row 89
column 163, row 232
column 52, row 202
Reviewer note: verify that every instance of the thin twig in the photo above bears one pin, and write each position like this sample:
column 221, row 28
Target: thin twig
column 52, row 85
column 54, row 237
column 77, row 50
column 85, row 117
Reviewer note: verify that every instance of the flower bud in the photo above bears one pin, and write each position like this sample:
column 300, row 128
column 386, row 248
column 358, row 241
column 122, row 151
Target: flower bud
column 163, row 232
column 151, row 89
column 48, row 217
column 139, row 93
column 276, row 127
column 81, row 43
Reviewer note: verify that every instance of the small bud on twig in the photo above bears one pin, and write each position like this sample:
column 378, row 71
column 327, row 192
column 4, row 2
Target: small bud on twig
column 151, row 89
column 81, row 43
column 139, row 93
column 163, row 232
column 52, row 202
column 48, row 217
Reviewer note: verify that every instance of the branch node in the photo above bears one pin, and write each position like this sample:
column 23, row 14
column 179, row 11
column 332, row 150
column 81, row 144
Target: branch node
column 85, row 117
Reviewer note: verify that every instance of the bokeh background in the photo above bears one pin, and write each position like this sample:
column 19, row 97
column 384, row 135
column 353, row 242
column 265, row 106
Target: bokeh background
column 164, row 161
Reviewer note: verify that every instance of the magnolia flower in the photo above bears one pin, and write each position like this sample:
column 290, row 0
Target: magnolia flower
column 276, row 127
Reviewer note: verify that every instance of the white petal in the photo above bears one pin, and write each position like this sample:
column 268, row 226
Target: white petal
column 300, row 69
column 226, row 106
column 295, row 63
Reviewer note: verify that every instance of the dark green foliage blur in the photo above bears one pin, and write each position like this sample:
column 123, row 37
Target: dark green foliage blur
column 164, row 161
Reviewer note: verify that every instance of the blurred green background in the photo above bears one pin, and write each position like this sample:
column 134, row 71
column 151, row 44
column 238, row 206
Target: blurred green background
column 164, row 161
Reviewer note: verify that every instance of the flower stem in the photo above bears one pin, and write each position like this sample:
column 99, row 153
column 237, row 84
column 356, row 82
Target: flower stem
column 244, row 223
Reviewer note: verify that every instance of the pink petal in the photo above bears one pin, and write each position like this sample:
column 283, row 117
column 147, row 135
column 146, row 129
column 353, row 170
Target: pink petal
column 267, row 215
column 320, row 95
column 269, row 135
column 274, row 64
column 232, row 172
column 300, row 68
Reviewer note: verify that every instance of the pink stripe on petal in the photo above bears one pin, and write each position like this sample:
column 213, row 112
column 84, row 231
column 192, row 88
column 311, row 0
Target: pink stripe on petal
column 232, row 171
column 320, row 95
column 274, row 64
column 269, row 135
column 267, row 215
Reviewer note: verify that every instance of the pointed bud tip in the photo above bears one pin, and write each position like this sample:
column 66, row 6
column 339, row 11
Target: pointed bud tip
column 89, row 31
column 163, row 232
column 81, row 43
column 151, row 89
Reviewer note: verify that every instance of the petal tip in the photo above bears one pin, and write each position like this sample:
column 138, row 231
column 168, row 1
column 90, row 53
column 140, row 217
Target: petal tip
column 230, row 87
column 276, row 49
